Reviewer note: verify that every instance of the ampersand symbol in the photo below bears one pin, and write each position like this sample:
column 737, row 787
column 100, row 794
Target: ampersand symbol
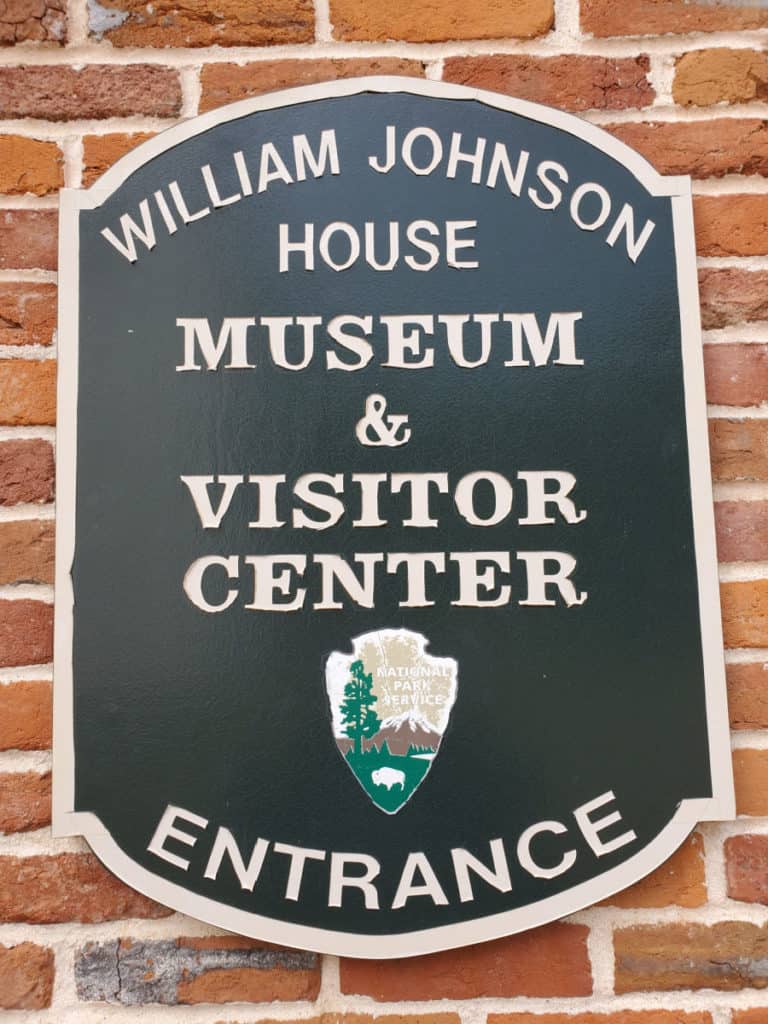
column 376, row 429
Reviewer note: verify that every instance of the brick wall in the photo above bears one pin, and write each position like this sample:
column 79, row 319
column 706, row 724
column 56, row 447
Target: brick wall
column 683, row 81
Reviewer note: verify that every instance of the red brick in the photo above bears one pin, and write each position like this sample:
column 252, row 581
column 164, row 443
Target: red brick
column 742, row 531
column 745, row 613
column 25, row 801
column 26, row 977
column 703, row 149
column 678, row 882
column 27, row 392
column 25, row 715
column 620, row 1017
column 61, row 93
column 739, row 449
column 225, row 83
column 223, row 23
column 734, row 225
column 434, row 21
column 746, row 861
column 736, row 374
column 748, row 695
column 29, row 166
column 26, row 472
column 704, row 77
column 569, row 81
column 726, row 956
column 67, row 887
column 27, row 313
column 26, row 633
column 548, row 961
column 730, row 296
column 26, row 551
column 39, row 21
column 101, row 151
column 28, row 239
column 655, row 17
column 750, row 777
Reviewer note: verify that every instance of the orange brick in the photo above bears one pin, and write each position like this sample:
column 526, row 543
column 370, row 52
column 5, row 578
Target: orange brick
column 655, row 17
column 29, row 166
column 745, row 613
column 25, row 715
column 750, row 777
column 621, row 1017
column 27, row 392
column 757, row 1015
column 748, row 695
column 742, row 531
column 703, row 149
column 570, row 81
column 28, row 239
column 734, row 225
column 704, row 77
column 225, row 83
column 101, row 151
column 26, row 633
column 26, row 977
column 25, row 801
column 739, row 449
column 39, row 21
column 27, row 313
column 26, row 551
column 548, row 961
column 434, row 21
column 678, row 882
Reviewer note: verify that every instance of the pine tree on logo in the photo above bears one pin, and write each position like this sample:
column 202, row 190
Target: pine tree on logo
column 358, row 717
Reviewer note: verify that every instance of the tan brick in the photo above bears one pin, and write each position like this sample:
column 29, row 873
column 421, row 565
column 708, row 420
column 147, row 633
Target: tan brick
column 60, row 93
column 548, row 961
column 27, row 313
column 704, row 77
column 703, row 149
column 29, row 166
column 620, row 1017
column 225, row 83
column 742, row 531
column 39, row 21
column 26, row 472
column 569, row 81
column 434, row 21
column 739, row 449
column 101, row 151
column 746, row 861
column 25, row 801
column 25, row 715
column 750, row 777
column 735, row 225
column 678, row 882
column 655, row 17
column 28, row 239
column 26, row 551
column 726, row 956
column 748, row 695
column 27, row 392
column 26, row 633
column 223, row 23
column 26, row 977
column 730, row 296
column 745, row 613
column 67, row 887
column 736, row 374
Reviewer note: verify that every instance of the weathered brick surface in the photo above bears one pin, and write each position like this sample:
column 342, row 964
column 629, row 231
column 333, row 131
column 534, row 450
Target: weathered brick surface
column 225, row 83
column 67, row 887
column 225, row 23
column 746, row 860
column 742, row 531
column 25, row 715
column 174, row 971
column 734, row 225
column 739, row 449
column 27, row 313
column 621, row 1017
column 39, row 21
column 27, row 547
column 745, row 613
column 569, row 81
column 703, row 149
column 58, row 93
column 750, row 777
column 26, row 977
column 651, row 17
column 678, row 882
column 433, row 21
column 28, row 239
column 26, row 633
column 732, row 296
column 29, row 166
column 726, row 956
column 27, row 392
column 25, row 801
column 26, row 472
column 736, row 374
column 548, row 961
column 703, row 77
column 101, row 151
column 748, row 695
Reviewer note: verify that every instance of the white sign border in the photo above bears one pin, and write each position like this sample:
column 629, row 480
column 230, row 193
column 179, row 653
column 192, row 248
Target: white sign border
column 67, row 822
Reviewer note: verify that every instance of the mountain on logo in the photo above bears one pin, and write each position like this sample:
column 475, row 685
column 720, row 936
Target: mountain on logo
column 390, row 756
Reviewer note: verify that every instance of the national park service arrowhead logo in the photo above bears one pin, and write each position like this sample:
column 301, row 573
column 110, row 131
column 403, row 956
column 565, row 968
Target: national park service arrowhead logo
column 390, row 705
